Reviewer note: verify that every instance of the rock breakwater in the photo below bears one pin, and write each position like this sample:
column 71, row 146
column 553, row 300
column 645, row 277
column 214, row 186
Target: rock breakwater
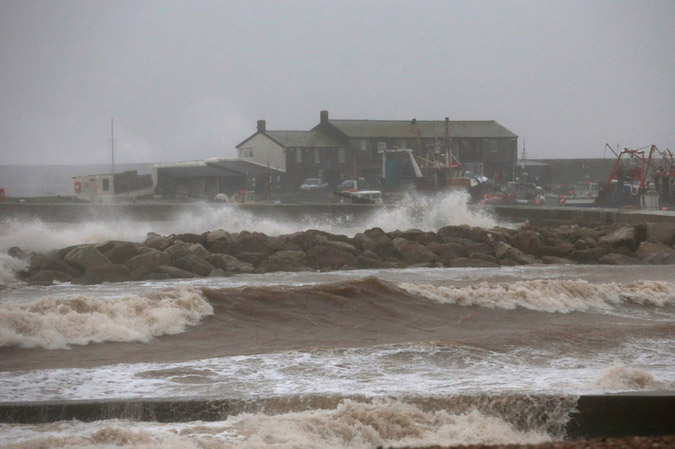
column 221, row 253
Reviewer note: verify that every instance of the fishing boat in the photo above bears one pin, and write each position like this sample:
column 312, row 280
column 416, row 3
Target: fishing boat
column 642, row 178
column 438, row 170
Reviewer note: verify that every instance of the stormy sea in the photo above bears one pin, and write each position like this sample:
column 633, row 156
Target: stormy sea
column 344, row 359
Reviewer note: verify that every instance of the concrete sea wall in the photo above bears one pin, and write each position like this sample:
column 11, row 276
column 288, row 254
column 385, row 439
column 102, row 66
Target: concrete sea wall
column 542, row 216
column 612, row 415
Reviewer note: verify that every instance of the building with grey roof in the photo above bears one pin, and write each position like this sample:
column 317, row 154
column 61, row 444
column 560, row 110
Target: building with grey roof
column 335, row 150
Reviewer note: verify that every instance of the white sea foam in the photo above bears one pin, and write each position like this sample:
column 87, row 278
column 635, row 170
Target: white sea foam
column 57, row 322
column 427, row 213
column 625, row 378
column 549, row 295
column 351, row 425
column 8, row 267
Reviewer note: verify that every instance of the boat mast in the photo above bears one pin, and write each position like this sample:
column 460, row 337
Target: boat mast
column 112, row 149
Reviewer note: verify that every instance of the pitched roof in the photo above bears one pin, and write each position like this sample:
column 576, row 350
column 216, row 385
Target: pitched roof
column 241, row 166
column 194, row 171
column 213, row 168
column 427, row 128
column 290, row 139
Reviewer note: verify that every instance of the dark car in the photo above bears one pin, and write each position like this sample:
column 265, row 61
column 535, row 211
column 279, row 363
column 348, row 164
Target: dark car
column 313, row 185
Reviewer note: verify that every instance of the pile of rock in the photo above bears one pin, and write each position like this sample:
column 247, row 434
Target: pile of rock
column 220, row 253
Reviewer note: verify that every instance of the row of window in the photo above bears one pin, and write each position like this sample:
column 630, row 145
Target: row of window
column 381, row 146
column 317, row 156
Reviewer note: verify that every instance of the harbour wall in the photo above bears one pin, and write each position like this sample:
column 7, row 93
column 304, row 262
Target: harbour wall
column 357, row 213
column 595, row 416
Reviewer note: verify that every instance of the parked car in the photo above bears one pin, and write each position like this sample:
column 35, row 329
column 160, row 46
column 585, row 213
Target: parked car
column 348, row 185
column 313, row 185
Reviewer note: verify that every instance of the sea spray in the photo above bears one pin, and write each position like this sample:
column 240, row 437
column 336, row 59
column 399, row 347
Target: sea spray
column 55, row 322
column 414, row 211
column 8, row 267
column 625, row 378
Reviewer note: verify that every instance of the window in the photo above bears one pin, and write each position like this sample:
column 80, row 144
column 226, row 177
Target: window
column 381, row 146
column 403, row 143
column 246, row 152
column 364, row 144
column 341, row 155
column 298, row 156
column 317, row 158
column 106, row 184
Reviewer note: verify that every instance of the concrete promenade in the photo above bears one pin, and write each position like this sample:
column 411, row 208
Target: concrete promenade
column 157, row 211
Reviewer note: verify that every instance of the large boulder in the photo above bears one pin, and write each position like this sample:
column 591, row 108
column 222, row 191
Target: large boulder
column 158, row 242
column 218, row 234
column 655, row 253
column 344, row 246
column 121, row 252
column 328, row 257
column 561, row 249
column 624, row 236
column 283, row 243
column 528, row 241
column 149, row 260
column 308, row 239
column 105, row 273
column 255, row 258
column 660, row 233
column 223, row 246
column 84, row 257
column 193, row 264
column 454, row 232
column 413, row 253
column 483, row 256
column 253, row 242
column 482, row 248
column 190, row 238
column 18, row 253
column 285, row 260
column 427, row 238
column 48, row 277
column 174, row 272
column 589, row 256
column 380, row 245
column 230, row 263
column 40, row 262
column 505, row 251
column 180, row 249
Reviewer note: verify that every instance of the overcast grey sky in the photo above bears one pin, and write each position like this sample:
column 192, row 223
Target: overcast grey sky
column 188, row 79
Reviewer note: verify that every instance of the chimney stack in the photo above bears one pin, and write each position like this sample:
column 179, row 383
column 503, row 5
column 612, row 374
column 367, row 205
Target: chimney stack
column 261, row 126
column 324, row 116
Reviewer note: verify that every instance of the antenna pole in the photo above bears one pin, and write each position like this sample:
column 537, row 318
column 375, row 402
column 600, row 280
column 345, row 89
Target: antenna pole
column 112, row 148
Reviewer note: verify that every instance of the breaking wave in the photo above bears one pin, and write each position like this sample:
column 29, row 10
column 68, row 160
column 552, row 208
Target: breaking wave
column 56, row 322
column 558, row 296
column 626, row 378
column 350, row 424
column 8, row 266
